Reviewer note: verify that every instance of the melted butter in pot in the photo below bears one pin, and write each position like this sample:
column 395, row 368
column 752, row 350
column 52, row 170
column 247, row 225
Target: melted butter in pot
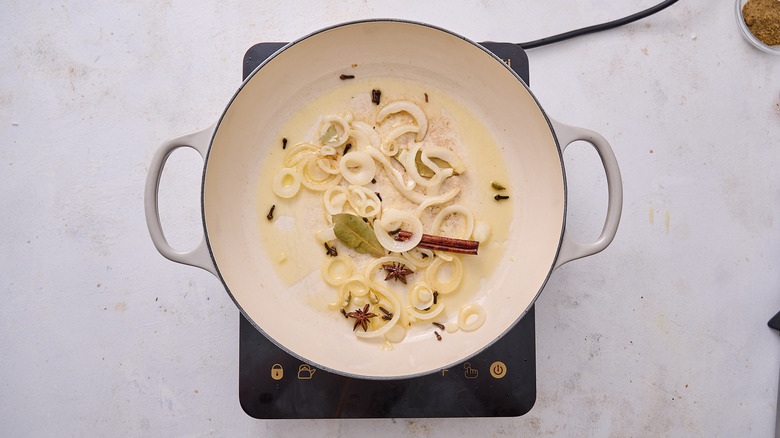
column 289, row 238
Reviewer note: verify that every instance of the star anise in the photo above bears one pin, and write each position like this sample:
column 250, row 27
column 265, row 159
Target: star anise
column 361, row 318
column 399, row 271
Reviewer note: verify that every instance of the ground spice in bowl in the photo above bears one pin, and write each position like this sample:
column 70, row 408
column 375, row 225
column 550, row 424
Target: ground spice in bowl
column 763, row 19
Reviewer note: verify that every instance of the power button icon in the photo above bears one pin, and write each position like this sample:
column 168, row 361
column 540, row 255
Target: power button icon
column 498, row 369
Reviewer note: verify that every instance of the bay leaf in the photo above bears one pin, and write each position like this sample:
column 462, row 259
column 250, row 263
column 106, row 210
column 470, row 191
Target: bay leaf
column 425, row 171
column 355, row 233
column 330, row 135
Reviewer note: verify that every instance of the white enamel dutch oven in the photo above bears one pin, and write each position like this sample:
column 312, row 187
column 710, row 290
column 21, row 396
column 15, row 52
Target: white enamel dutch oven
column 234, row 149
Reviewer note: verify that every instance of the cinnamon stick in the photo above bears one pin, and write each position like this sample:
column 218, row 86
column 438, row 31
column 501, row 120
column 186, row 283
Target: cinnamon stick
column 439, row 240
column 435, row 247
column 441, row 243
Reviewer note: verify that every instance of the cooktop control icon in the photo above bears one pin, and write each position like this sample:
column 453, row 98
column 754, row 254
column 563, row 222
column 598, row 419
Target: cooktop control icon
column 498, row 369
column 470, row 373
column 277, row 372
column 305, row 372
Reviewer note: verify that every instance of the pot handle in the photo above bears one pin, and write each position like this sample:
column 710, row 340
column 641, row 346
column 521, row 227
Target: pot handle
column 198, row 256
column 571, row 249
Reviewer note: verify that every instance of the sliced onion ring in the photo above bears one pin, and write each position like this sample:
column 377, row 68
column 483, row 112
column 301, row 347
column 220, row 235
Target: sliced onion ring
column 357, row 168
column 389, row 145
column 421, row 295
column 355, row 285
column 280, row 186
column 299, row 152
column 336, row 278
column 339, row 121
column 365, row 202
column 364, row 135
column 329, row 165
column 431, row 275
column 410, row 107
column 467, row 312
column 410, row 164
column 315, row 178
column 395, row 176
column 452, row 210
column 334, row 199
column 436, row 200
column 392, row 220
column 448, row 156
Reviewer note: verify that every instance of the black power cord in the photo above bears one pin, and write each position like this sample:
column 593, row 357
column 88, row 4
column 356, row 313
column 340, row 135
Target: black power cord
column 598, row 27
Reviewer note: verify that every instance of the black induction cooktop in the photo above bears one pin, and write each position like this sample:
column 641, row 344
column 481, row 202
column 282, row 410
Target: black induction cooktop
column 498, row 382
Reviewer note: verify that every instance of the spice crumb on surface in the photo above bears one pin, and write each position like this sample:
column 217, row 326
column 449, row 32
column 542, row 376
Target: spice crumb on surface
column 763, row 19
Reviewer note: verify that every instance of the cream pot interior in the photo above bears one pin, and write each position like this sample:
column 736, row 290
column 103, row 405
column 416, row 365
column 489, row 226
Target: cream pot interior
column 309, row 68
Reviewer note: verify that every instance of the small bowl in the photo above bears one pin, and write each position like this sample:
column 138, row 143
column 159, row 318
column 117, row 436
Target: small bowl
column 749, row 35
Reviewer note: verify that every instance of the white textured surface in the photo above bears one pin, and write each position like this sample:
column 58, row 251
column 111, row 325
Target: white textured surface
column 663, row 334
